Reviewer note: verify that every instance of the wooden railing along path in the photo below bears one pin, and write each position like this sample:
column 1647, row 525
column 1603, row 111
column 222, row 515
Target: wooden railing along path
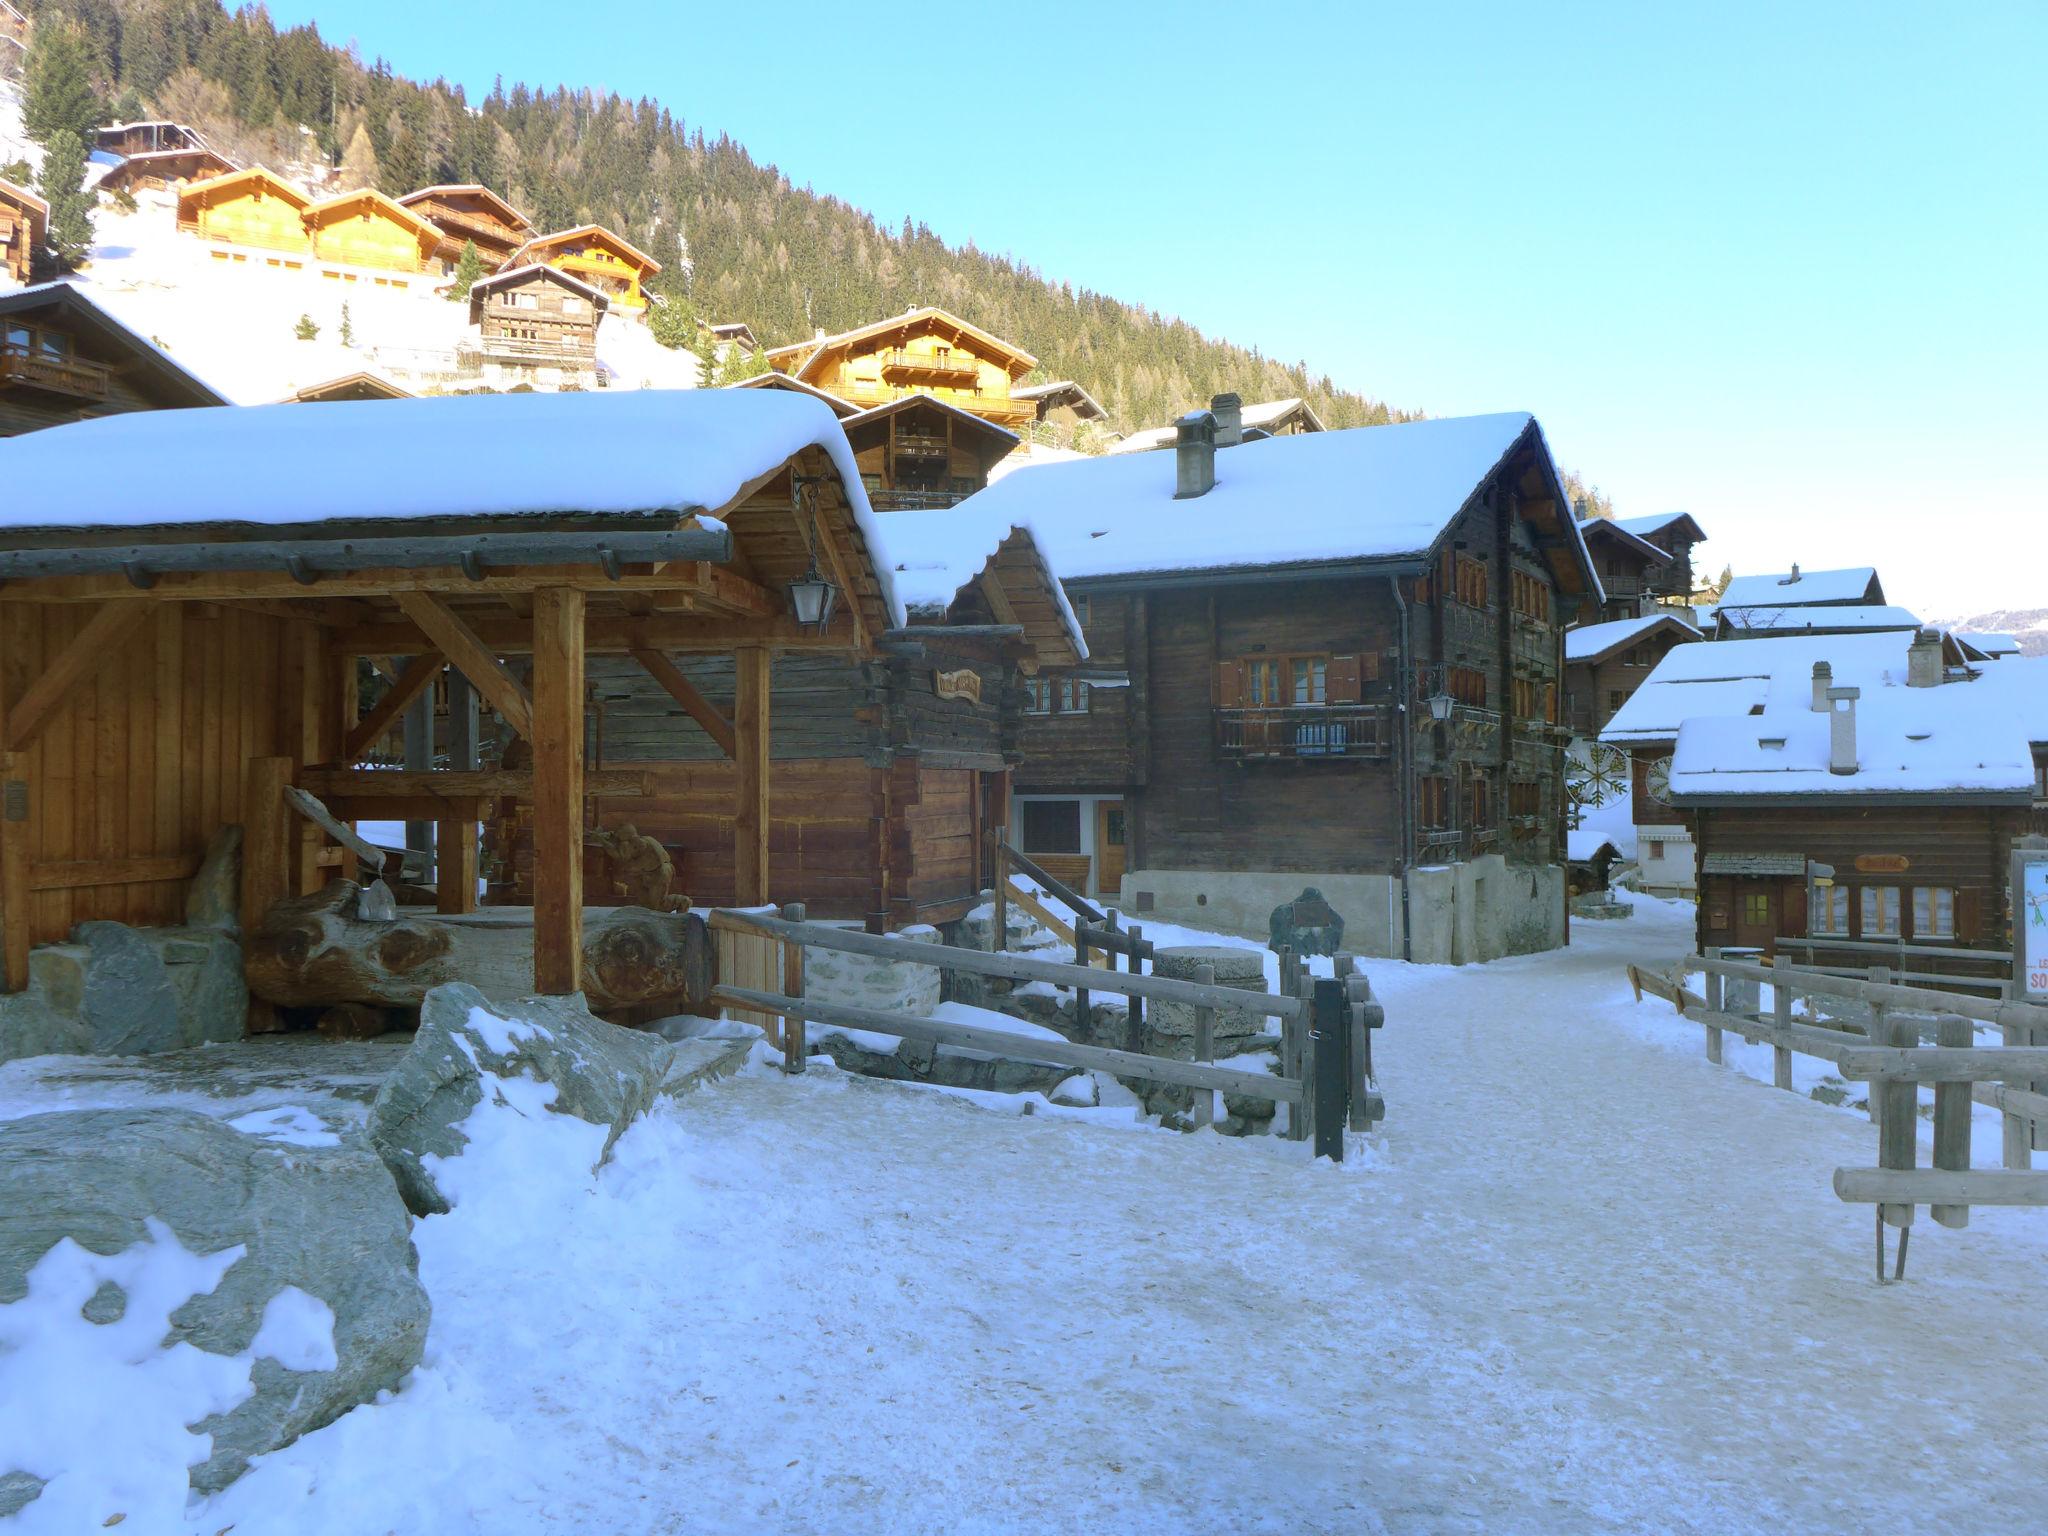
column 1325, row 1058
column 1889, row 1055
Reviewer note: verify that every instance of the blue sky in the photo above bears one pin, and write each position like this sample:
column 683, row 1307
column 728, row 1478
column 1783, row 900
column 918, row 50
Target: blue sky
column 1780, row 265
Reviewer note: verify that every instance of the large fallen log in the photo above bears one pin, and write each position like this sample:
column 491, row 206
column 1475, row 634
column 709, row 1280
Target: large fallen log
column 316, row 952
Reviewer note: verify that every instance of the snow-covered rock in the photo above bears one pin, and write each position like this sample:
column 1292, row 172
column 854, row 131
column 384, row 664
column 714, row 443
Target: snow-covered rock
column 467, row 1048
column 177, row 1292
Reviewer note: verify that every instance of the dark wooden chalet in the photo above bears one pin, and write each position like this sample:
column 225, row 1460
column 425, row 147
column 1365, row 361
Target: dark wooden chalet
column 1605, row 663
column 179, row 645
column 350, row 386
column 1633, row 571
column 1675, row 533
column 921, row 451
column 161, row 169
column 537, row 325
column 24, row 226
column 1331, row 659
column 471, row 213
column 154, row 136
column 64, row 359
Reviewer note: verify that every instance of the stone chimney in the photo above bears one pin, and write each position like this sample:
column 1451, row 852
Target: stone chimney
column 1229, row 413
column 1923, row 660
column 1842, row 729
column 1194, row 455
column 1823, row 680
column 1791, row 579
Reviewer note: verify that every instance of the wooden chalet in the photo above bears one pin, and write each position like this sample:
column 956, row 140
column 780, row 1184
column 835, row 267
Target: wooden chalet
column 1327, row 660
column 65, row 359
column 537, row 325
column 843, row 409
column 166, row 169
column 1853, row 587
column 152, row 137
column 1236, row 423
column 733, row 333
column 921, row 451
column 1675, row 533
column 178, row 649
column 367, row 229
column 1634, row 573
column 921, row 351
column 593, row 254
column 473, row 213
column 1868, row 813
column 252, row 207
column 1605, row 663
column 24, row 229
column 1732, row 623
column 350, row 386
column 1062, row 404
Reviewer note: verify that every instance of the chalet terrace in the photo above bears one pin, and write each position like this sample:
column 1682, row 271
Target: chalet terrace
column 1330, row 659
column 65, row 359
column 180, row 651
column 922, row 351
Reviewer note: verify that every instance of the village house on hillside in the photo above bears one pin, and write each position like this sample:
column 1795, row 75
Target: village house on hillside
column 1605, row 663
column 24, row 228
column 1852, row 587
column 471, row 213
column 361, row 385
column 1328, row 660
column 1064, row 410
column 922, row 351
column 157, row 154
column 64, row 359
column 1882, row 809
column 594, row 255
column 1733, row 623
column 1264, row 418
column 537, row 326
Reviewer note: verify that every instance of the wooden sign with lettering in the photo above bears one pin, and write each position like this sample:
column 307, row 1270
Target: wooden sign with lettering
column 1882, row 863
column 963, row 684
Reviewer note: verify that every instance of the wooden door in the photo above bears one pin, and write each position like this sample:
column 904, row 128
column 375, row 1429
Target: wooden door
column 1109, row 847
column 1756, row 914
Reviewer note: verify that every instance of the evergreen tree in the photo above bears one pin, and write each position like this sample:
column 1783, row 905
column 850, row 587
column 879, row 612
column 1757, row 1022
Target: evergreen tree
column 672, row 322
column 348, row 326
column 57, row 89
column 359, row 161
column 305, row 330
column 707, row 356
column 469, row 266
column 62, row 186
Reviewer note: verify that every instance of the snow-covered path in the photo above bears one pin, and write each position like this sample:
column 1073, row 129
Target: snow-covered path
column 1587, row 1282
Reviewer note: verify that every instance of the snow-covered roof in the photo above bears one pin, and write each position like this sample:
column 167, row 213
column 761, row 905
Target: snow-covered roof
column 1595, row 642
column 596, row 232
column 1656, row 522
column 1014, row 357
column 65, row 293
column 1989, row 642
column 1728, row 678
column 1582, row 845
column 1853, row 616
column 1955, row 739
column 550, row 274
column 1262, row 416
column 2018, row 687
column 1640, row 547
column 890, row 408
column 798, row 387
column 1061, row 392
column 935, row 553
column 25, row 197
column 1795, row 587
column 1366, row 493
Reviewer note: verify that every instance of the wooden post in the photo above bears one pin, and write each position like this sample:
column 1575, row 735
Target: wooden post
column 795, row 1042
column 266, row 833
column 1294, row 1051
column 1952, row 1110
column 1879, row 1034
column 2018, row 1140
column 1080, row 993
column 1711, row 988
column 1898, row 1126
column 1000, row 940
column 1358, row 1045
column 1205, row 1048
column 557, row 791
column 15, row 911
column 752, row 667
column 419, row 757
column 1136, row 967
column 455, row 842
column 1326, row 1036
column 1781, row 1013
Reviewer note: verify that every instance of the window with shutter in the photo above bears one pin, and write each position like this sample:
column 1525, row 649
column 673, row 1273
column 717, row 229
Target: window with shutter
column 1344, row 680
column 1230, row 684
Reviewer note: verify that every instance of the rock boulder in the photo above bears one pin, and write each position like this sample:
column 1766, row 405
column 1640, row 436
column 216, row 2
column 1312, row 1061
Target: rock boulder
column 602, row 1074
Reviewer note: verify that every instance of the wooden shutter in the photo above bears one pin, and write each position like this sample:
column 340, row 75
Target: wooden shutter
column 1369, row 666
column 1970, row 915
column 1229, row 688
column 1341, row 682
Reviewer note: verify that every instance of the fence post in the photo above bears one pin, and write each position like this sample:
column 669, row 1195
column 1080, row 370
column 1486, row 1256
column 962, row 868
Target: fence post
column 1001, row 940
column 795, row 1043
column 1358, row 1039
column 1081, row 1026
column 1205, row 1048
column 1781, row 1015
column 1952, row 1110
column 1327, row 1033
column 1133, row 966
column 1711, row 989
column 1294, row 1052
column 1898, row 1125
column 1879, row 1034
column 2019, row 1144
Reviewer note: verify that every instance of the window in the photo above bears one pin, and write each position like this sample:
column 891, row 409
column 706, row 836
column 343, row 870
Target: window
column 1050, row 826
column 571, row 305
column 1311, row 679
column 1756, row 909
column 1467, row 685
column 1482, row 802
column 1433, row 802
column 1039, row 695
column 1055, row 696
column 1525, row 798
column 1934, row 912
column 1530, row 597
column 1470, row 578
column 1880, row 912
column 1615, row 699
column 1827, row 911
column 1080, row 605
column 1277, row 682
column 1654, row 852
column 1535, row 700
column 2041, row 778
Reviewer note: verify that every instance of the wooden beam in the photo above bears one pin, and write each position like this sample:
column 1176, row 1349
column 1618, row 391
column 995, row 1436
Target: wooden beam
column 360, row 784
column 15, row 907
column 266, row 861
column 752, row 667
column 455, row 866
column 471, row 657
column 558, row 790
column 841, row 573
column 98, row 642
column 511, row 636
column 684, row 692
column 85, row 874
column 417, row 677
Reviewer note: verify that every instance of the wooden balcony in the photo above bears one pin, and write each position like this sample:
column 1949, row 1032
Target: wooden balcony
column 914, row 501
column 22, row 368
column 1306, row 733
column 925, row 365
column 921, row 445
column 560, row 351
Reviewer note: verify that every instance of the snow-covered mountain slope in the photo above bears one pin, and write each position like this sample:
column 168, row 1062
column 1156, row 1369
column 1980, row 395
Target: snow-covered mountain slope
column 2029, row 626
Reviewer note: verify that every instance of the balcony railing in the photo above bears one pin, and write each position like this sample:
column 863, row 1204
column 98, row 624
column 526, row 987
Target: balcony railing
column 1307, row 733
column 922, row 444
column 914, row 501
column 62, row 375
column 929, row 365
column 563, row 350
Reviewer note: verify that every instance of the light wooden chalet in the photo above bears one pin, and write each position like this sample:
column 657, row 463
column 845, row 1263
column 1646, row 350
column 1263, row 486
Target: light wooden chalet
column 733, row 333
column 148, row 137
column 179, row 645
column 367, row 229
column 921, row 451
column 24, row 227
column 1330, row 660
column 782, row 381
column 350, row 386
column 65, row 359
column 252, row 207
column 158, row 170
column 469, row 212
column 922, row 351
column 537, row 325
column 595, row 255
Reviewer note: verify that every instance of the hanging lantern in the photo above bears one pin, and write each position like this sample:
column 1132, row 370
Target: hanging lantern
column 811, row 597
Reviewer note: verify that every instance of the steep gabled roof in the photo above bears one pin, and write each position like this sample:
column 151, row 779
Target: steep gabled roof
column 798, row 386
column 270, row 181
column 534, row 270
column 804, row 354
column 513, row 216
column 167, row 382
column 1797, row 588
column 25, row 198
column 150, row 159
column 344, row 202
column 736, row 330
column 1657, row 522
column 1589, row 644
column 1061, row 392
column 1621, row 538
column 361, row 385
column 937, row 560
column 1262, row 416
column 595, row 232
column 980, row 424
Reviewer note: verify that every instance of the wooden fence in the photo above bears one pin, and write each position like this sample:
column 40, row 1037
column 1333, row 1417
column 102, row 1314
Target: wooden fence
column 1941, row 965
column 1888, row 1054
column 1325, row 1075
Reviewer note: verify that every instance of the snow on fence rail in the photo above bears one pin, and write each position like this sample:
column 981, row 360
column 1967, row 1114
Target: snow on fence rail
column 1326, row 1022
column 1887, row 1053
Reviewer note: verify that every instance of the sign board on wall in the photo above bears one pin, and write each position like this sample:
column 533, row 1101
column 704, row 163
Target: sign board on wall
column 1882, row 863
column 2030, row 921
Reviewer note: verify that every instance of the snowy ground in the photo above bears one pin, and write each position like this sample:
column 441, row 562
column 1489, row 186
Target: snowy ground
column 1583, row 1281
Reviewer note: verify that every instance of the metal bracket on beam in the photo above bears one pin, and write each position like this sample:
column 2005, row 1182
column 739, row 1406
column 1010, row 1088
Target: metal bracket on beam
column 139, row 575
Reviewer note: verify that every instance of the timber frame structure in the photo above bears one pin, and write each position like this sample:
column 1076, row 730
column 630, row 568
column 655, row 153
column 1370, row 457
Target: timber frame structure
column 170, row 664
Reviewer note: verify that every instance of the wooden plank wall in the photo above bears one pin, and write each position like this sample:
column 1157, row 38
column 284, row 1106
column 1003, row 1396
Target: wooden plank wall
column 146, row 761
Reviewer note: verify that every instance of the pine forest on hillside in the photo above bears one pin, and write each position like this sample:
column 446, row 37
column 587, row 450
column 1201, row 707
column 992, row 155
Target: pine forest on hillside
column 743, row 242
